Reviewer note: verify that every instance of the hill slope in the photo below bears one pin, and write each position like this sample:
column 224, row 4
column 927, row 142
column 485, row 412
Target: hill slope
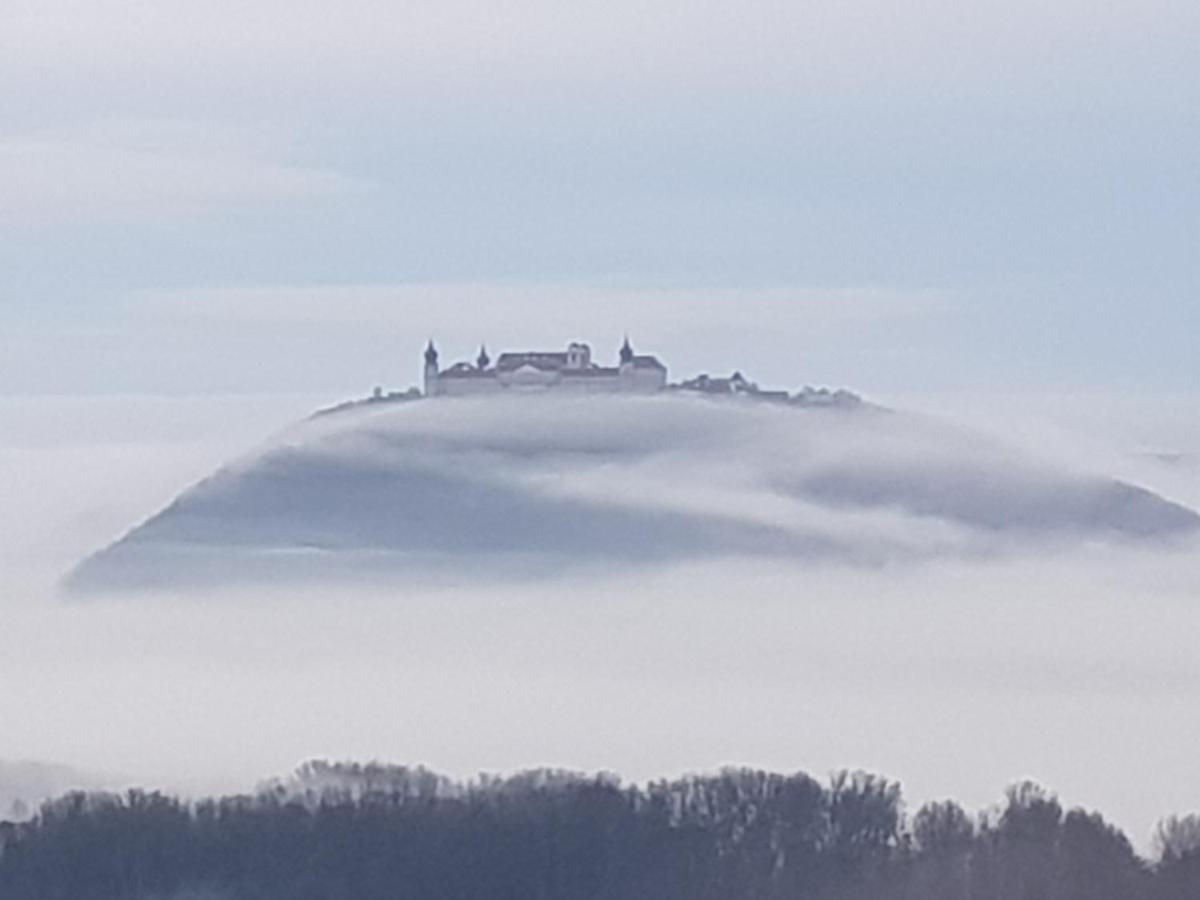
column 541, row 483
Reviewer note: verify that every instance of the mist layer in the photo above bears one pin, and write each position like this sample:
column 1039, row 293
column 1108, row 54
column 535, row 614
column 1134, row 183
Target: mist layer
column 533, row 485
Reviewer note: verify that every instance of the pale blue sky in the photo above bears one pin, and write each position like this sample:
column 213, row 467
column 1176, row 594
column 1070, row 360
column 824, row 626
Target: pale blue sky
column 1013, row 186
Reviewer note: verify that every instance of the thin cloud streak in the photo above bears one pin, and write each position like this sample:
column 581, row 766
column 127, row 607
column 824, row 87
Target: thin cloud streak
column 444, row 305
column 764, row 42
column 124, row 172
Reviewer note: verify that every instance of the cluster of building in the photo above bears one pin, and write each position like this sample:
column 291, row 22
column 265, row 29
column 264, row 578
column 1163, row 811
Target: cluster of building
column 575, row 370
column 572, row 370
column 737, row 385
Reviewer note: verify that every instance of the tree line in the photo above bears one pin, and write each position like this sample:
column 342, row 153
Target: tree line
column 354, row 832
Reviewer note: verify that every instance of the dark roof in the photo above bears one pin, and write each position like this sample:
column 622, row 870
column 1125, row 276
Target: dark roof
column 648, row 362
column 509, row 362
column 709, row 385
column 466, row 370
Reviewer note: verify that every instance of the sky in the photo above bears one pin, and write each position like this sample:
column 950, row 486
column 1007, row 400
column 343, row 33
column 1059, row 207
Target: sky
column 230, row 197
column 216, row 217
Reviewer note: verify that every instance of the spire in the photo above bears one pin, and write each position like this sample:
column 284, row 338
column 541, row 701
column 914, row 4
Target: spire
column 431, row 354
column 483, row 361
column 626, row 352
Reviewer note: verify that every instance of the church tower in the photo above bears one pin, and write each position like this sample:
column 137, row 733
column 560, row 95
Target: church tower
column 626, row 353
column 431, row 370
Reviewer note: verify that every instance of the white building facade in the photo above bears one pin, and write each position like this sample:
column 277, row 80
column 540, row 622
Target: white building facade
column 539, row 371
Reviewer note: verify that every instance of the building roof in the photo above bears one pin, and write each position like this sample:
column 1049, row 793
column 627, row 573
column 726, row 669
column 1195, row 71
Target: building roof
column 734, row 384
column 550, row 361
column 648, row 362
column 466, row 370
column 509, row 362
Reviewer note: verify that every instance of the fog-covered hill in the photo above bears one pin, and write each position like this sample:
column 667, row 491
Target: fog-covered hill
column 537, row 484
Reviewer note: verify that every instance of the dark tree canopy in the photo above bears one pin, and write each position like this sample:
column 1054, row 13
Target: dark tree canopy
column 354, row 832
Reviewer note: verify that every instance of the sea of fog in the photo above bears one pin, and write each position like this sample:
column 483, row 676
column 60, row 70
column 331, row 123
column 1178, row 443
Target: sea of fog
column 1070, row 662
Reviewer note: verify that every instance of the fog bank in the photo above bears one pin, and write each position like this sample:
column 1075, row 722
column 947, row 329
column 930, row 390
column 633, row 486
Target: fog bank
column 1071, row 661
column 536, row 485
